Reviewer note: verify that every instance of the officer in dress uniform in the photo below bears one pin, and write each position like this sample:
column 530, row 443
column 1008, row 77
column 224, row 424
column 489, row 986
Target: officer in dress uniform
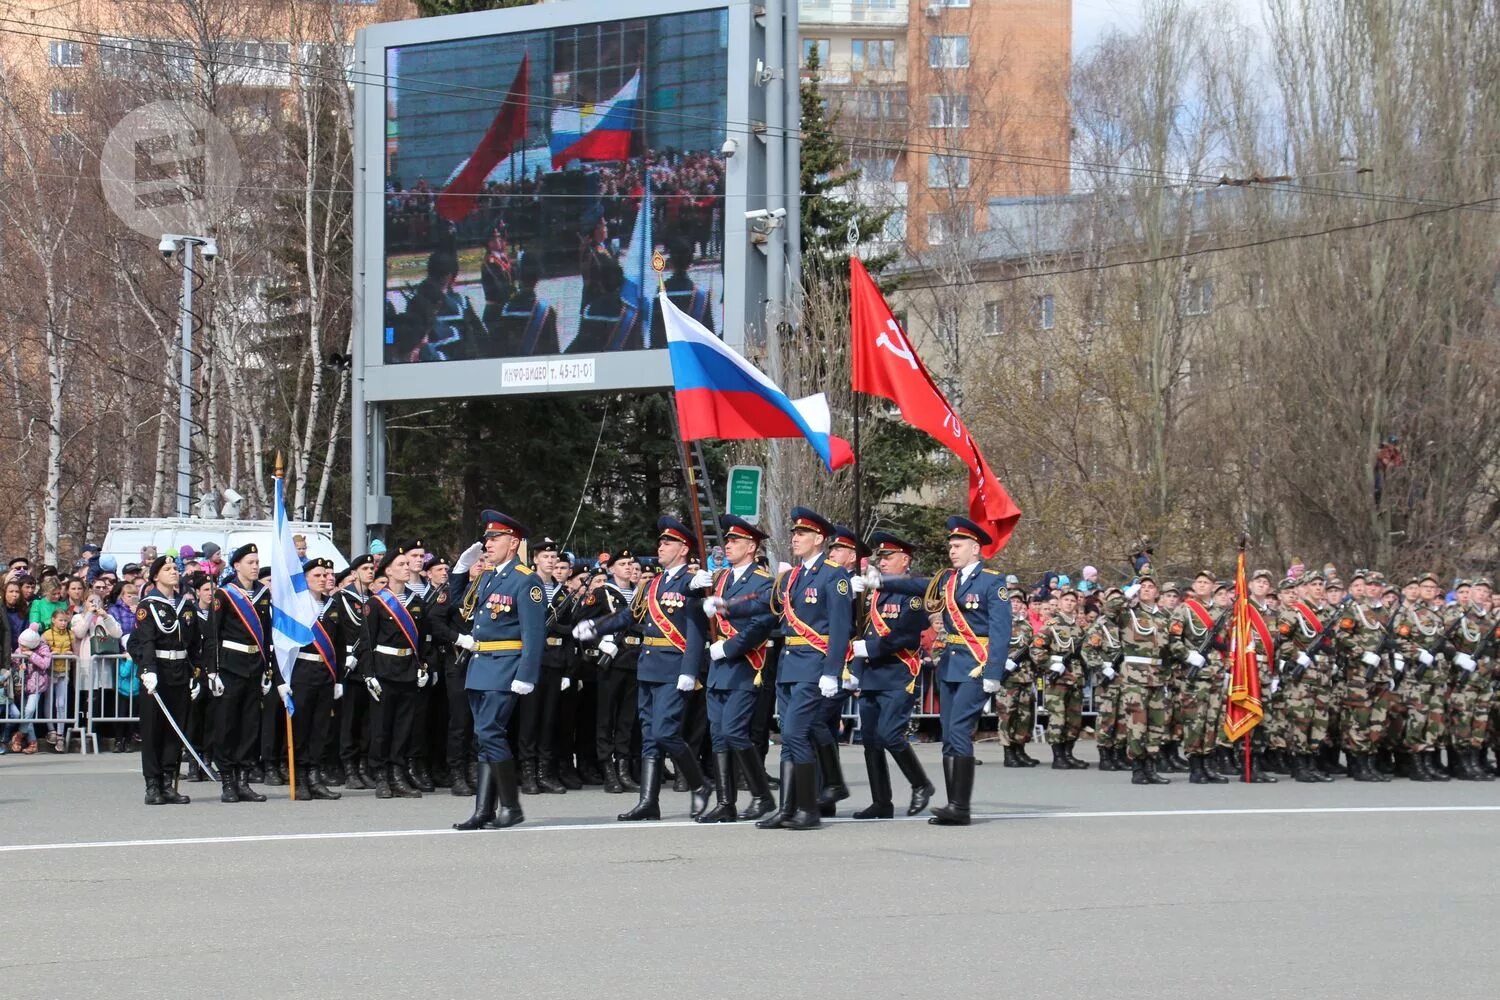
column 395, row 627
column 606, row 322
column 673, row 632
column 814, row 604
column 506, row 606
column 354, row 713
column 315, row 686
column 615, row 658
column 739, row 617
column 887, row 661
column 240, row 626
column 976, row 617
column 162, row 645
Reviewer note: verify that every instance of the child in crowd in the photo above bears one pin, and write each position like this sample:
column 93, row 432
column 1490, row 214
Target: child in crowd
column 34, row 663
column 59, row 639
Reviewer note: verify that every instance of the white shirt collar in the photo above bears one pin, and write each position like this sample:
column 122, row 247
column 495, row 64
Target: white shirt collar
column 967, row 572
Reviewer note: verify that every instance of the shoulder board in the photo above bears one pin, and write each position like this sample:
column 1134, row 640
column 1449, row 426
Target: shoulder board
column 830, row 562
column 523, row 569
column 990, row 572
column 763, row 574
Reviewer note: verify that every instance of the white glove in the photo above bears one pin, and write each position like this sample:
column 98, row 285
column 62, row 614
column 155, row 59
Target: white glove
column 285, row 690
column 686, row 682
column 858, row 583
column 464, row 641
column 1195, row 659
column 872, row 578
column 850, row 683
column 713, row 605
column 521, row 687
column 1109, row 672
column 702, row 580
column 1010, row 665
column 567, row 682
column 584, row 631
column 372, row 684
column 338, row 691
column 1304, row 661
column 148, row 681
column 861, row 648
column 468, row 557
column 194, row 690
column 422, row 677
column 607, row 646
column 351, row 661
column 1464, row 662
column 716, row 651
column 991, row 686
column 265, row 683
column 1398, row 663
column 1370, row 658
column 215, row 686
column 1057, row 668
column 1425, row 657
column 1275, row 684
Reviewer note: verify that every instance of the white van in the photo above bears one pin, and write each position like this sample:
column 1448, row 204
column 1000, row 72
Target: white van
column 128, row 535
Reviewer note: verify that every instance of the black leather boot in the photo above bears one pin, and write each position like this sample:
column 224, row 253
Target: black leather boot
column 1138, row 775
column 318, row 788
column 1455, row 765
column 627, row 779
column 1403, row 764
column 170, row 796
column 806, row 789
column 354, row 776
column 693, row 777
column 880, row 806
column 1011, row 760
column 400, row 787
column 383, row 783
column 724, row 809
column 1435, row 765
column 421, row 777
column 589, row 772
column 567, row 774
column 461, row 786
column 484, row 799
column 229, row 789
column 913, row 771
column 195, row 773
column 1302, row 771
column 1153, row 775
column 1025, row 758
column 509, row 813
column 242, row 786
column 1359, row 768
column 956, row 812
column 273, row 777
column 333, row 774
column 649, row 806
column 1073, row 761
column 528, row 778
column 1060, row 758
column 747, row 765
column 773, row 821
column 1169, row 761
column 1258, row 775
column 833, row 790
column 153, row 792
column 612, row 783
column 547, row 780
column 1107, row 760
column 1210, row 777
column 1383, row 762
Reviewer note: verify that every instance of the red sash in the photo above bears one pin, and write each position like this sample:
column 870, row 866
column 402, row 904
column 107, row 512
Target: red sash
column 1310, row 616
column 883, row 629
column 806, row 631
column 756, row 656
column 659, row 618
column 961, row 624
column 1199, row 612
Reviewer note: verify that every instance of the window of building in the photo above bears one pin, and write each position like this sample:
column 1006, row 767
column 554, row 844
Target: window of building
column 894, row 228
column 993, row 319
column 872, row 54
column 946, row 227
column 809, row 45
column 948, row 51
column 883, row 104
column 64, row 101
column 950, row 3
column 1198, row 300
column 65, row 54
column 948, row 111
column 1046, row 312
column 876, row 168
column 947, row 171
column 144, row 59
column 861, row 6
column 66, row 147
column 1255, row 290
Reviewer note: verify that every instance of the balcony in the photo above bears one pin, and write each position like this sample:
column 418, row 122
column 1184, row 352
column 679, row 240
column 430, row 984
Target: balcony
column 853, row 13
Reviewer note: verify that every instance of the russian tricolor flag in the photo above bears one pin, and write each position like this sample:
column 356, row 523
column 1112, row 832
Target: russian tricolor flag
column 596, row 131
column 721, row 395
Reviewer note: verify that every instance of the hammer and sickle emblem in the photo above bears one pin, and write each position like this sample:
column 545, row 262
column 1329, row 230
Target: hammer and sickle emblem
column 893, row 340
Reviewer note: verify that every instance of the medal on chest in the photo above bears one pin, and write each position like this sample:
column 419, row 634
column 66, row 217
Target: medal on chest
column 971, row 602
column 891, row 610
column 810, row 595
column 500, row 604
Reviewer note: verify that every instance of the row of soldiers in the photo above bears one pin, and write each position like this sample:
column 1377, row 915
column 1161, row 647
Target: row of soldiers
column 1391, row 676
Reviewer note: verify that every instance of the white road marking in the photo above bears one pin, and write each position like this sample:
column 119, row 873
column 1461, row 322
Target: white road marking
column 681, row 824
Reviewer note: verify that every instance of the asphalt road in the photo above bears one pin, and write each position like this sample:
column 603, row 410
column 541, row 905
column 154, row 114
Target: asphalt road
column 1076, row 884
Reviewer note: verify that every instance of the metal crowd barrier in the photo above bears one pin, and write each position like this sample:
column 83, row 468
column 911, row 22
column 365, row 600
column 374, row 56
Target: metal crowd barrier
column 81, row 718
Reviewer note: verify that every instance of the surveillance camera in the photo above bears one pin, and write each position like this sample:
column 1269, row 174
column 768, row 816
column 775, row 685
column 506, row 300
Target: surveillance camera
column 757, row 213
column 167, row 247
column 210, row 250
column 232, row 497
column 779, row 213
column 729, row 148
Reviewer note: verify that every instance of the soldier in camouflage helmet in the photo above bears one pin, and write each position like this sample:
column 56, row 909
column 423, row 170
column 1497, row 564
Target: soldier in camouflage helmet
column 1143, row 626
column 1101, row 651
column 1015, row 705
column 1055, row 654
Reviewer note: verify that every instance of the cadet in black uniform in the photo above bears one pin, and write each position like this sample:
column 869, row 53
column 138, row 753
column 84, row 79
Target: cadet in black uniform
column 354, row 713
column 162, row 646
column 239, row 628
column 199, row 729
column 315, row 686
column 447, row 621
column 537, row 711
column 390, row 659
column 614, row 657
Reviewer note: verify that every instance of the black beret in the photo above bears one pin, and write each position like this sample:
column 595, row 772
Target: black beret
column 157, row 565
column 248, row 549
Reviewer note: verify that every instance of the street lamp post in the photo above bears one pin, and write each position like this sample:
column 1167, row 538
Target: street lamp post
column 168, row 246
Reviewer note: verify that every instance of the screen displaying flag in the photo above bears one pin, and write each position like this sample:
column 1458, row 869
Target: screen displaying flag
column 637, row 262
column 596, row 132
column 293, row 610
column 461, row 194
column 721, row 395
column 1244, row 711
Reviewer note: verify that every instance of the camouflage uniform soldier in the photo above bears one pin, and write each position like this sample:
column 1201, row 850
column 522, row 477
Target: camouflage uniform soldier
column 1100, row 648
column 1179, row 705
column 1270, row 736
column 1367, row 675
column 1306, row 678
column 1202, row 676
column 1475, row 636
column 1015, row 705
column 1424, row 688
column 1055, row 652
column 1335, row 595
column 1143, row 691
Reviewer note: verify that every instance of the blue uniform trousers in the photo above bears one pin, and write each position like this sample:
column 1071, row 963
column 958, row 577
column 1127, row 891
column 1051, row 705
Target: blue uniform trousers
column 883, row 717
column 661, row 707
column 729, row 719
column 491, row 711
column 827, row 733
column 962, row 701
column 802, row 714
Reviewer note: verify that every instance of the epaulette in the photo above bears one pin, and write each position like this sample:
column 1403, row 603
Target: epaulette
column 523, row 569
column 830, row 562
column 763, row 574
column 990, row 572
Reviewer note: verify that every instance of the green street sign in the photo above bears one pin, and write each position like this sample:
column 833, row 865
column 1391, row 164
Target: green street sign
column 744, row 492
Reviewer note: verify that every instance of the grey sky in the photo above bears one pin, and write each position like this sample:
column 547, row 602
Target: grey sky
column 1092, row 18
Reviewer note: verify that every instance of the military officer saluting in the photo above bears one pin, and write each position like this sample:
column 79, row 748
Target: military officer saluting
column 673, row 631
column 814, row 602
column 507, row 637
column 239, row 627
column 740, row 622
column 166, row 629
column 976, row 616
column 887, row 660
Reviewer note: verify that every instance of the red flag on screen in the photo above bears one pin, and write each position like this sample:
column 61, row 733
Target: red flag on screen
column 885, row 364
column 458, row 199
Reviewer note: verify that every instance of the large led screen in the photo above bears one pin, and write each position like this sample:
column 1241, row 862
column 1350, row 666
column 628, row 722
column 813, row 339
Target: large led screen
column 532, row 180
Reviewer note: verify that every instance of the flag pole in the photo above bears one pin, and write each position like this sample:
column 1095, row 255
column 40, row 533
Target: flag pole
column 1239, row 576
column 852, row 238
column 291, row 743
